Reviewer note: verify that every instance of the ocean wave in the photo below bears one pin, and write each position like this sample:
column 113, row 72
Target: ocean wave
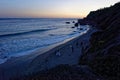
column 22, row 33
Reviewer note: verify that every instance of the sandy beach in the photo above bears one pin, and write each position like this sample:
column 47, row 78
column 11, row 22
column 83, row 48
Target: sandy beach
column 67, row 52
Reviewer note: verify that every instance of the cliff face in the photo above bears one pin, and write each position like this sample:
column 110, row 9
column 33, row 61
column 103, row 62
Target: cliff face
column 103, row 17
column 103, row 56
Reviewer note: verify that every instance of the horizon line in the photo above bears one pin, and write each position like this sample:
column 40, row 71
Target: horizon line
column 38, row 17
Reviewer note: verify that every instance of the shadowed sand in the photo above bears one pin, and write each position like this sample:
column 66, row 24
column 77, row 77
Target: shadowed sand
column 67, row 52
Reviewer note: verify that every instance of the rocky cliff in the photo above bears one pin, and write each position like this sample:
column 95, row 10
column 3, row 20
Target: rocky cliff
column 103, row 56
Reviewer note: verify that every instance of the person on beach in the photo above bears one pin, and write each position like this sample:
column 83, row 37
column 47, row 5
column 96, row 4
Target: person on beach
column 72, row 48
column 81, row 43
column 77, row 44
column 58, row 53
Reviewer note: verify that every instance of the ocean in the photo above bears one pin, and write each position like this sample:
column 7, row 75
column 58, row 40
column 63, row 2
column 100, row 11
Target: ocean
column 21, row 36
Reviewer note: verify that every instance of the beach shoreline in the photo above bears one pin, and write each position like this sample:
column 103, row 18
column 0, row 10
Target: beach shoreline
column 70, row 52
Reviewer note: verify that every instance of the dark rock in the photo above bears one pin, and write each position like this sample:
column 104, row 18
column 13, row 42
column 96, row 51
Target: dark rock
column 73, row 27
column 81, row 28
column 67, row 22
column 76, row 24
column 73, row 22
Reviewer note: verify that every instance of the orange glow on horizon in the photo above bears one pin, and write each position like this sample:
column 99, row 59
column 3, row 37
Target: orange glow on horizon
column 55, row 14
column 51, row 8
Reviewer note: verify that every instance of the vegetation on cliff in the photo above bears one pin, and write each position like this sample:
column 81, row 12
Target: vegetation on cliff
column 104, row 54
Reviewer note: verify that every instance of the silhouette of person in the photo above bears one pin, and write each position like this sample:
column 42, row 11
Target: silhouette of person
column 58, row 53
column 77, row 44
column 72, row 48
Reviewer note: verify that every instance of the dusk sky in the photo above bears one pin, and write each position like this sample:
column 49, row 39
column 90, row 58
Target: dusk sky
column 51, row 8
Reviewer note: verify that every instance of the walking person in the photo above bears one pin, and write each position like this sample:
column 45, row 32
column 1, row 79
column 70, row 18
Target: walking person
column 58, row 53
column 72, row 49
column 77, row 44
column 81, row 43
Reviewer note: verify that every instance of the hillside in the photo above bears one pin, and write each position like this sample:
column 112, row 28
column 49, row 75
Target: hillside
column 103, row 55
